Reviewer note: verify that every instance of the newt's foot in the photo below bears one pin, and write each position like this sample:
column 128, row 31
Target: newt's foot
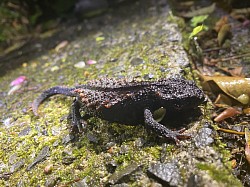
column 161, row 129
column 177, row 136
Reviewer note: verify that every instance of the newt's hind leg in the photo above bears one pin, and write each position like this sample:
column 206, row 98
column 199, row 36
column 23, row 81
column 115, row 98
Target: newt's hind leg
column 161, row 129
column 75, row 116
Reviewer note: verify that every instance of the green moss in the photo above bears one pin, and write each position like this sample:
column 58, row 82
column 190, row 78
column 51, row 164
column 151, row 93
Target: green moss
column 220, row 175
column 124, row 158
column 154, row 151
column 222, row 149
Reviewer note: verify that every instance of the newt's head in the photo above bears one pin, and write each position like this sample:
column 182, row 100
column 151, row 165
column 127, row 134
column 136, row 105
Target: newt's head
column 183, row 94
column 190, row 95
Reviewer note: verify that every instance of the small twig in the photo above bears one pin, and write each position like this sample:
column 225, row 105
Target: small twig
column 213, row 49
column 235, row 57
column 230, row 131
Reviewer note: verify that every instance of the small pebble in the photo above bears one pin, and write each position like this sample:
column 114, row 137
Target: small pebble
column 80, row 64
column 136, row 61
column 203, row 137
column 123, row 174
column 50, row 182
column 68, row 138
column 24, row 132
column 54, row 68
column 14, row 89
column 43, row 154
column 92, row 138
column 17, row 165
column 168, row 173
column 13, row 158
column 8, row 122
column 48, row 169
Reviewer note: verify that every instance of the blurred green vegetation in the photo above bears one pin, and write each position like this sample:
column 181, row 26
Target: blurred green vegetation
column 19, row 18
column 13, row 20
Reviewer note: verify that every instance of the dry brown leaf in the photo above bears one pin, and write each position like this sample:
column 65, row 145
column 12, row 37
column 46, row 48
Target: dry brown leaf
column 61, row 45
column 229, row 112
column 247, row 147
column 223, row 34
column 200, row 11
column 223, row 20
column 235, row 88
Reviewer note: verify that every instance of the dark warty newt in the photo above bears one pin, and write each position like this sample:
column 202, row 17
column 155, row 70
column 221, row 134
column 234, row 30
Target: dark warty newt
column 129, row 102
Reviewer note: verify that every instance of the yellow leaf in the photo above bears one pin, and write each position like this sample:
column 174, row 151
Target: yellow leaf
column 196, row 30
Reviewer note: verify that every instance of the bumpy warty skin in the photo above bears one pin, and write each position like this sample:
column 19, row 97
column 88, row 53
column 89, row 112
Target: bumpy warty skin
column 124, row 101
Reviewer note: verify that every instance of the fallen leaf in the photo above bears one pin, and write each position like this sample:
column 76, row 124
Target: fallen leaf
column 247, row 147
column 229, row 112
column 99, row 38
column 246, row 110
column 223, row 21
column 236, row 72
column 246, row 23
column 241, row 13
column 237, row 89
column 223, row 34
column 234, row 163
column 200, row 11
column 61, row 45
column 80, row 64
column 195, row 31
column 198, row 19
column 223, row 101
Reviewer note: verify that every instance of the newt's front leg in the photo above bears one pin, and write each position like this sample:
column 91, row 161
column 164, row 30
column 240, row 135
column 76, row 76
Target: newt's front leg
column 161, row 129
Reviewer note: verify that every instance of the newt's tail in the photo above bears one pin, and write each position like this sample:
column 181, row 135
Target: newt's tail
column 50, row 92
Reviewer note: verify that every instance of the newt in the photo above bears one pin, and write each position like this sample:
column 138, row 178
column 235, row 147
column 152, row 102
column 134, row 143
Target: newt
column 129, row 102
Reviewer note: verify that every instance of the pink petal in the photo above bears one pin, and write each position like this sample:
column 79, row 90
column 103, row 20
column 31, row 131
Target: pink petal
column 18, row 80
column 90, row 62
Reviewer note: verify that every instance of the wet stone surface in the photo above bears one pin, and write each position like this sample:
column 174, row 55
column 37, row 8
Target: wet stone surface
column 136, row 61
column 50, row 182
column 40, row 157
column 166, row 173
column 67, row 139
column 25, row 131
column 17, row 165
column 122, row 174
column 203, row 137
